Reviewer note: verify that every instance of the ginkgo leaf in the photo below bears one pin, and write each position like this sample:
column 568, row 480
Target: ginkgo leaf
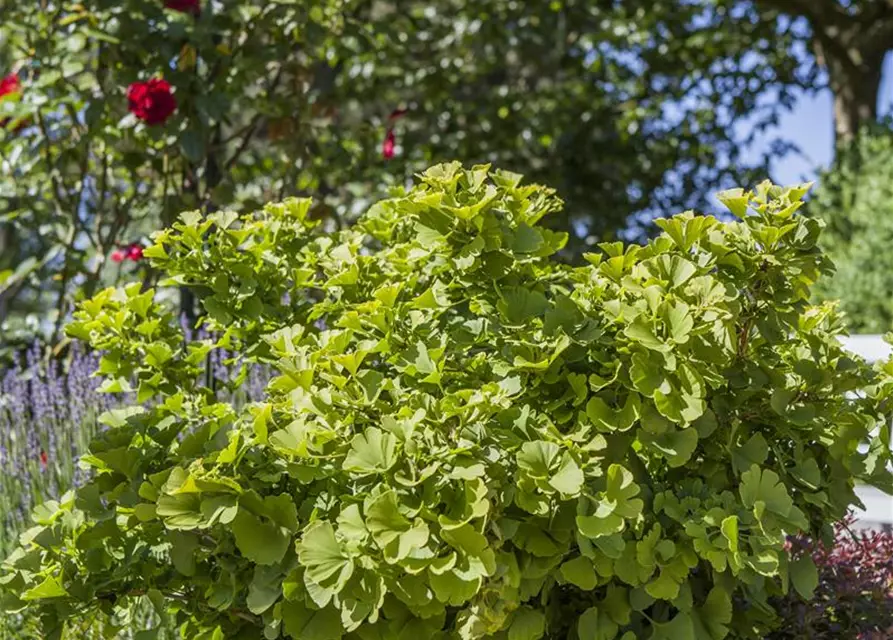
column 50, row 587
column 641, row 332
column 260, row 541
column 536, row 458
column 594, row 624
column 323, row 557
column 804, row 576
column 680, row 322
column 384, row 520
column 372, row 451
column 580, row 573
column 568, row 478
column 527, row 624
column 758, row 485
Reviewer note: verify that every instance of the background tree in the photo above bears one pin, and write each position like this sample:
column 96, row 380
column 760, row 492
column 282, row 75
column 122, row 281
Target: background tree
column 849, row 39
column 83, row 177
column 621, row 105
column 855, row 198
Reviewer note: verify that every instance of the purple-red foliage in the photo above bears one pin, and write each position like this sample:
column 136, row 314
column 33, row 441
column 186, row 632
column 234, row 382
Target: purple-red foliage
column 854, row 598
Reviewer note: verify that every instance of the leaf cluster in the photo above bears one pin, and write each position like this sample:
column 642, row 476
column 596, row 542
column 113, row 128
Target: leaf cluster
column 466, row 438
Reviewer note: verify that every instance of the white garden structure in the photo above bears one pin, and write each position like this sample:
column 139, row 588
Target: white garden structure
column 878, row 513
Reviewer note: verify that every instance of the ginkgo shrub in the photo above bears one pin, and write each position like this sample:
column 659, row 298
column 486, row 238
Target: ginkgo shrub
column 465, row 438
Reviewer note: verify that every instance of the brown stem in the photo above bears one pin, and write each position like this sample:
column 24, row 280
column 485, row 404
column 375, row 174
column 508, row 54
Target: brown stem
column 274, row 83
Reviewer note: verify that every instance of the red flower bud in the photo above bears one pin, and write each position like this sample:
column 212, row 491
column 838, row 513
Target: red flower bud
column 387, row 147
column 151, row 101
column 134, row 252
column 43, row 459
column 10, row 84
column 186, row 6
column 118, row 256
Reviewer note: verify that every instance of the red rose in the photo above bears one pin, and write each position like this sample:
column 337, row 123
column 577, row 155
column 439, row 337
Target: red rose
column 186, row 6
column 387, row 147
column 134, row 252
column 10, row 85
column 151, row 101
column 118, row 255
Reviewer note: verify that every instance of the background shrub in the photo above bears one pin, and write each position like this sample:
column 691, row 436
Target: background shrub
column 465, row 437
column 855, row 199
column 854, row 598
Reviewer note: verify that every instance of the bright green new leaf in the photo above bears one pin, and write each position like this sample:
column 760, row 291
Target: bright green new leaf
column 641, row 332
column 50, row 587
column 373, row 451
column 568, row 479
column 729, row 529
column 537, row 458
column 322, row 556
column 384, row 520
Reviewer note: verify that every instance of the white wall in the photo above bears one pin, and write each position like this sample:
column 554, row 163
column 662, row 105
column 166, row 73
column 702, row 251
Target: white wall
column 878, row 511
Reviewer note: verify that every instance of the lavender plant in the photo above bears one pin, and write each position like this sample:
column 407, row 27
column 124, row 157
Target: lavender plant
column 50, row 410
column 48, row 413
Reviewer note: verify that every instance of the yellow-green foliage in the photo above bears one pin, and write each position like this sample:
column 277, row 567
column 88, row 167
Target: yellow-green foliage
column 467, row 439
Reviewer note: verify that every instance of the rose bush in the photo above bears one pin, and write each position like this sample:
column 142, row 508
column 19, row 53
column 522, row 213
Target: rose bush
column 10, row 87
column 465, row 437
column 10, row 84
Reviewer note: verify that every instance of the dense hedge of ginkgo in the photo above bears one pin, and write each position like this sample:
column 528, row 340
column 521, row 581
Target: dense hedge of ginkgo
column 466, row 438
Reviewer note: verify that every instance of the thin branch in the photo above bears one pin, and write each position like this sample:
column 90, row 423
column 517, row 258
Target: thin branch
column 255, row 121
column 58, row 187
column 62, row 302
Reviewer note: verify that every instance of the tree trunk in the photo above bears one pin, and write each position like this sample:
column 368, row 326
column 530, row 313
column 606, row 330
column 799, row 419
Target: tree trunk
column 850, row 41
column 855, row 78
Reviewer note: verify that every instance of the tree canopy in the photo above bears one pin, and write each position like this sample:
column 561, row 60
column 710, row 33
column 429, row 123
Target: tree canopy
column 855, row 199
